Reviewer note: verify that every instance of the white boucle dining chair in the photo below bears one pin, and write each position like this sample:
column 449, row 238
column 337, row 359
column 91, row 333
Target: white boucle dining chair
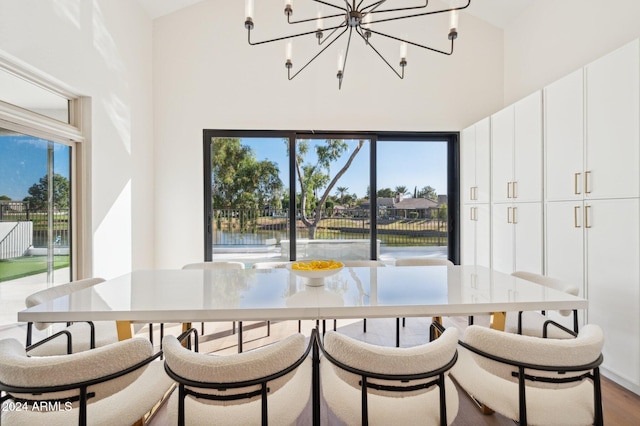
column 368, row 384
column 271, row 383
column 84, row 335
column 116, row 384
column 532, row 323
column 533, row 380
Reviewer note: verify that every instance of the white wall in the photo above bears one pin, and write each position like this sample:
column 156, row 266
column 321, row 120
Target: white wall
column 206, row 76
column 553, row 38
column 101, row 49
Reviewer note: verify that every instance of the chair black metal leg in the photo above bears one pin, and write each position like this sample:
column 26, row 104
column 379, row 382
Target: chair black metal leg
column 364, row 325
column 335, row 325
column 239, row 336
column 151, row 333
column 397, row 332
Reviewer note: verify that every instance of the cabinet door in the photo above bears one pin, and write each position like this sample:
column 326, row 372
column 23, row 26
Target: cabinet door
column 527, row 219
column 565, row 242
column 502, row 245
column 483, row 235
column 564, row 130
column 483, row 160
column 613, row 111
column 527, row 158
column 468, row 249
column 564, row 249
column 468, row 166
column 613, row 281
column 502, row 155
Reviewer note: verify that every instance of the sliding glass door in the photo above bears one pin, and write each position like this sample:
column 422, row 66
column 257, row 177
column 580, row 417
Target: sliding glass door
column 333, row 219
column 35, row 214
column 280, row 196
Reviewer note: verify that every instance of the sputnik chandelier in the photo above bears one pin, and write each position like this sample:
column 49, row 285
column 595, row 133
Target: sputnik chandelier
column 359, row 17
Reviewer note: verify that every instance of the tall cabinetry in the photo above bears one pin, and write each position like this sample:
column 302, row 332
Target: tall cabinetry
column 516, row 182
column 592, row 190
column 475, row 153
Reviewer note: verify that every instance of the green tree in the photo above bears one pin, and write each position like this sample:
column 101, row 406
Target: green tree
column 239, row 180
column 342, row 193
column 386, row 193
column 315, row 178
column 402, row 190
column 5, row 198
column 39, row 193
column 428, row 192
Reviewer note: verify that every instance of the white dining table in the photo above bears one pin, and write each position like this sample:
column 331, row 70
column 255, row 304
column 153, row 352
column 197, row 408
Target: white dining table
column 186, row 296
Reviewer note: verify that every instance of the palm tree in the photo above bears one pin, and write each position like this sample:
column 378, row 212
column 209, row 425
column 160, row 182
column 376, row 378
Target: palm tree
column 341, row 192
column 402, row 190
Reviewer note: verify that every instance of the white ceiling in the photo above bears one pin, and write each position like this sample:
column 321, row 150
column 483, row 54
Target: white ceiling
column 496, row 12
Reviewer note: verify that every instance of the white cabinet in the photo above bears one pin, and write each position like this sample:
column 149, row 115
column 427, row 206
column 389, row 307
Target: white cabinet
column 476, row 162
column 516, row 151
column 476, row 235
column 613, row 277
column 476, row 159
column 612, row 114
column 516, row 238
column 564, row 138
column 592, row 209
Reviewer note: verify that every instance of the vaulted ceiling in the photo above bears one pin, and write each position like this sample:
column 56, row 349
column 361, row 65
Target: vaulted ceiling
column 497, row 12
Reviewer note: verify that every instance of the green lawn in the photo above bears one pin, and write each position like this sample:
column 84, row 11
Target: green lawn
column 28, row 265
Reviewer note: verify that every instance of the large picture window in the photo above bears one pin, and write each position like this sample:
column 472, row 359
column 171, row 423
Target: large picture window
column 276, row 196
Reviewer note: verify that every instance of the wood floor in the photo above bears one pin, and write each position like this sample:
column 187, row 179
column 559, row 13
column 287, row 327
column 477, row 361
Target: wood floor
column 621, row 407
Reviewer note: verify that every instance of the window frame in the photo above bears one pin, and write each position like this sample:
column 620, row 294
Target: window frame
column 453, row 176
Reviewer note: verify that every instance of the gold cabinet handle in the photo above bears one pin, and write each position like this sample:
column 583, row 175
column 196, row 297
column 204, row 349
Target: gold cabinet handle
column 515, row 189
column 508, row 189
column 471, row 193
column 586, row 182
column 575, row 217
column 576, row 178
column 475, row 193
column 475, row 214
column 509, row 214
column 515, row 215
column 586, row 216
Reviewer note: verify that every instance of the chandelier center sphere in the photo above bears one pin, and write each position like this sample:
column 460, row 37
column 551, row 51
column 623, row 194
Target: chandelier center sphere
column 354, row 18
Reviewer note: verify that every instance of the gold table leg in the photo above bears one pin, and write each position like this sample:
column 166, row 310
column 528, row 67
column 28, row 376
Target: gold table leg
column 498, row 320
column 124, row 330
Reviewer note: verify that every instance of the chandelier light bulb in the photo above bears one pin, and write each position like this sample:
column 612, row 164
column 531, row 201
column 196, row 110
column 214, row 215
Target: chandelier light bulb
column 340, row 62
column 366, row 21
column 288, row 3
column 320, row 22
column 248, row 8
column 289, row 50
column 403, row 51
column 453, row 26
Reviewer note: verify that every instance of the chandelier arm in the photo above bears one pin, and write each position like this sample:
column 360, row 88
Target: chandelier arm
column 285, row 37
column 414, row 44
column 314, row 19
column 331, row 5
column 291, row 77
column 376, row 5
column 320, row 43
column 346, row 55
column 426, row 3
column 419, row 14
column 382, row 57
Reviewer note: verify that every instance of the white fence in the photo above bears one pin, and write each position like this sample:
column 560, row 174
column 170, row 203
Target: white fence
column 15, row 239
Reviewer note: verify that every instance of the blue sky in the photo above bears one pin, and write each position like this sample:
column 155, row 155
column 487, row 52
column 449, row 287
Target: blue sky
column 400, row 163
column 23, row 161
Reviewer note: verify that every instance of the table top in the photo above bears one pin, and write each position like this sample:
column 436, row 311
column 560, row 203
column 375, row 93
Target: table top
column 278, row 294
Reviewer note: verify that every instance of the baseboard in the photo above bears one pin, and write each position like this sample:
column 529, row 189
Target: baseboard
column 621, row 381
